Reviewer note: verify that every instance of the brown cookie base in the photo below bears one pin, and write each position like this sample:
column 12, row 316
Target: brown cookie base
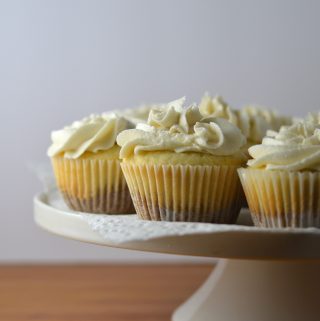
column 147, row 211
column 103, row 203
column 280, row 199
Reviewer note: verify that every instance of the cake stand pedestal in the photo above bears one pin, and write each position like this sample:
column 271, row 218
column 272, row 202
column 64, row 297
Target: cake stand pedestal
column 266, row 275
column 240, row 290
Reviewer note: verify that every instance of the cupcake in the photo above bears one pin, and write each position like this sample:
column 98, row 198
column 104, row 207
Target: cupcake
column 282, row 180
column 181, row 166
column 85, row 159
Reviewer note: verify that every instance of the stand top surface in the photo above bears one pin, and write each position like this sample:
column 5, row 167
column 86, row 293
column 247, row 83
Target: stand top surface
column 221, row 241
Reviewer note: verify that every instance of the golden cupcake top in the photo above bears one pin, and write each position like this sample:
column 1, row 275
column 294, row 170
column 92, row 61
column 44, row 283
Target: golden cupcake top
column 91, row 134
column 173, row 127
column 253, row 121
column 293, row 148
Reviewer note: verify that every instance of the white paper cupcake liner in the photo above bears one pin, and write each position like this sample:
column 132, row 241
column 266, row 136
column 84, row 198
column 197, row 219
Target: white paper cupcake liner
column 93, row 186
column 282, row 198
column 184, row 192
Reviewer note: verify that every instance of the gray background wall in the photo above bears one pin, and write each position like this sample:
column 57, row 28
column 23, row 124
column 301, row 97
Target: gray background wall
column 61, row 60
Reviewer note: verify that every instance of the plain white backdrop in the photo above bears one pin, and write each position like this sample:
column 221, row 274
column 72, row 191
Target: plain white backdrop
column 62, row 60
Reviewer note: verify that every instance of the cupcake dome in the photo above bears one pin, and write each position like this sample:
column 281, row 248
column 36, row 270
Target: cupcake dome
column 293, row 148
column 179, row 129
column 91, row 134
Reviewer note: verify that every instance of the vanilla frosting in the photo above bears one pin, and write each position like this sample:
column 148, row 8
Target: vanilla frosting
column 94, row 133
column 175, row 128
column 136, row 115
column 217, row 107
column 253, row 121
column 313, row 117
column 293, row 148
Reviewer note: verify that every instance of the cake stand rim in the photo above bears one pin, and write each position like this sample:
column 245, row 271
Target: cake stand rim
column 71, row 225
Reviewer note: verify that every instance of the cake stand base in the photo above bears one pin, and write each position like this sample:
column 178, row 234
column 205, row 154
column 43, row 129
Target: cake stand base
column 239, row 290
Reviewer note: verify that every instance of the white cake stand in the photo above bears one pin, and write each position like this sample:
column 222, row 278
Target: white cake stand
column 267, row 275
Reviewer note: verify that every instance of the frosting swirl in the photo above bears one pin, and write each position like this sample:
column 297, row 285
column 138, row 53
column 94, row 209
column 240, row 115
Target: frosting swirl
column 313, row 117
column 178, row 129
column 293, row 148
column 136, row 115
column 252, row 121
column 141, row 114
column 217, row 107
column 93, row 134
column 256, row 121
column 165, row 116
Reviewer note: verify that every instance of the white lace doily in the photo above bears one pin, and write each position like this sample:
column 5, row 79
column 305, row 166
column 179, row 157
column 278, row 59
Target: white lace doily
column 126, row 228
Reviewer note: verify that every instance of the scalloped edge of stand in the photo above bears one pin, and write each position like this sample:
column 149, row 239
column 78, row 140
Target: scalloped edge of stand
column 253, row 243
